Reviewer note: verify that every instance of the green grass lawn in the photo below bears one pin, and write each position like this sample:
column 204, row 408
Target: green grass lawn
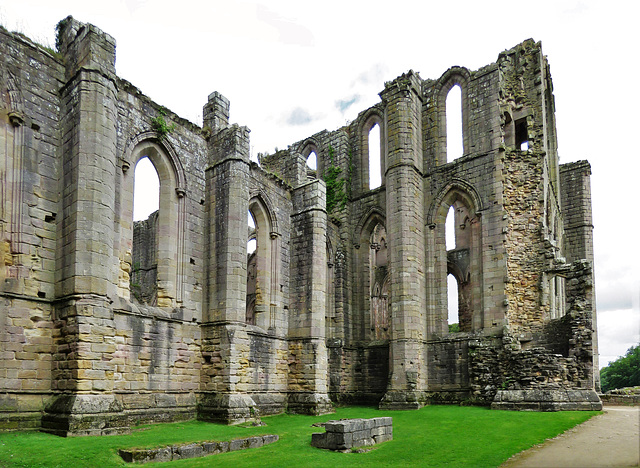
column 433, row 436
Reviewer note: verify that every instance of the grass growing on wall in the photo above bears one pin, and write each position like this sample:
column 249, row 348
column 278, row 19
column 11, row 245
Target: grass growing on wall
column 433, row 436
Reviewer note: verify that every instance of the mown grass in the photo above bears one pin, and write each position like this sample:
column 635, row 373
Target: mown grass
column 433, row 436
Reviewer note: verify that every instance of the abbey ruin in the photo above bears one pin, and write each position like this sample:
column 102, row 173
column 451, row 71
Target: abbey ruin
column 105, row 324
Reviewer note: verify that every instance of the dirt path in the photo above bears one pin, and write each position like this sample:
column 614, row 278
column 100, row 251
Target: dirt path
column 609, row 439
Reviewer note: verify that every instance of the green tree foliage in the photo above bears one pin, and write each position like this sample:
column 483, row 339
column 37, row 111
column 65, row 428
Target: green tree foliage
column 623, row 372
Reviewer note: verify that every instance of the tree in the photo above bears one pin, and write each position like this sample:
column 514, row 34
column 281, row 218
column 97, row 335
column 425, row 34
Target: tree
column 623, row 372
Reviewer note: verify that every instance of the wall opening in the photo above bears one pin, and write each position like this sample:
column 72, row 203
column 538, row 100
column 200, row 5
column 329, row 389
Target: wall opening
column 251, row 229
column 452, row 304
column 557, row 297
column 312, row 165
column 165, row 225
column 453, row 115
column 450, row 230
column 261, row 266
column 252, row 245
column 146, row 189
column 312, row 161
column 375, row 166
column 457, row 264
column 522, row 134
column 146, row 204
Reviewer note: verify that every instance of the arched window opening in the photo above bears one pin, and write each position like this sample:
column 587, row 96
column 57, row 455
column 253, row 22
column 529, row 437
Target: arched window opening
column 522, row 134
column 312, row 165
column 252, row 246
column 453, row 113
column 153, row 246
column 312, row 161
column 146, row 190
column 146, row 202
column 375, row 166
column 252, row 243
column 261, row 266
column 450, row 229
column 452, row 304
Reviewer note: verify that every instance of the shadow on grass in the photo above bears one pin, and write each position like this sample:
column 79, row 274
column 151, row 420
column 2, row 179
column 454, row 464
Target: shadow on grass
column 433, row 436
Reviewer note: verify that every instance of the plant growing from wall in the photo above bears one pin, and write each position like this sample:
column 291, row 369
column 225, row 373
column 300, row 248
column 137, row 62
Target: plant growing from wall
column 160, row 126
column 336, row 194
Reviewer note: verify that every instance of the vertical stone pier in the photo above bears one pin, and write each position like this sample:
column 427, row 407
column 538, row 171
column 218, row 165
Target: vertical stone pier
column 308, row 366
column 578, row 236
column 225, row 346
column 82, row 373
column 405, row 229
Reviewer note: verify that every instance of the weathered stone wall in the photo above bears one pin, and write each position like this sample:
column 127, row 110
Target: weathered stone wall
column 144, row 270
column 350, row 280
column 29, row 212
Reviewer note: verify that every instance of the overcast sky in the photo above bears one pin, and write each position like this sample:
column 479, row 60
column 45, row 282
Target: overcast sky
column 293, row 68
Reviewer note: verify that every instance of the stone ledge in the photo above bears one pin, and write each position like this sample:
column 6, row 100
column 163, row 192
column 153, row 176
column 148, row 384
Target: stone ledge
column 620, row 400
column 346, row 434
column 547, row 400
column 201, row 449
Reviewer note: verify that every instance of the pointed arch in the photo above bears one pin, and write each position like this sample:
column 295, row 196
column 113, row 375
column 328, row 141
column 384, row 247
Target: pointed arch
column 310, row 146
column 367, row 274
column 169, row 249
column 132, row 155
column 267, row 261
column 456, row 188
column 370, row 118
column 454, row 76
column 372, row 215
column 463, row 262
column 261, row 198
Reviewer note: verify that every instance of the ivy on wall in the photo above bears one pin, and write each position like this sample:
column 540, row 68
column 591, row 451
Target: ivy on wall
column 336, row 193
column 160, row 125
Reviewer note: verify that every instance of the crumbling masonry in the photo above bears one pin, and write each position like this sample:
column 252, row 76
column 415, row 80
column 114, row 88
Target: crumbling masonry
column 105, row 323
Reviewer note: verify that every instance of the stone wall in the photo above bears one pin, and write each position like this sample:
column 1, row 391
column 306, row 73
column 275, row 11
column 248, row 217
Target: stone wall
column 350, row 290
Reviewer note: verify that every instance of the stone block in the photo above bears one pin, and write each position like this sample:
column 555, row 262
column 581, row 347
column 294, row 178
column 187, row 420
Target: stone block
column 237, row 444
column 189, row 451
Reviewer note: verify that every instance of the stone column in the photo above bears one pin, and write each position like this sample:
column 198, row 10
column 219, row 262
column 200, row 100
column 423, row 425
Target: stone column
column 575, row 180
column 308, row 367
column 406, row 244
column 225, row 340
column 86, row 267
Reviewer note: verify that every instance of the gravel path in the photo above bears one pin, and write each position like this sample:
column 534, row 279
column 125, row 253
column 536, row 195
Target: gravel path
column 609, row 439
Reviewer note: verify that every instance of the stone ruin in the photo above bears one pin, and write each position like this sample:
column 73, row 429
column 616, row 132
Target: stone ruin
column 344, row 300
column 347, row 434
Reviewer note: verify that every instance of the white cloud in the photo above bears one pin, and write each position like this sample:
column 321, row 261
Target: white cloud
column 618, row 330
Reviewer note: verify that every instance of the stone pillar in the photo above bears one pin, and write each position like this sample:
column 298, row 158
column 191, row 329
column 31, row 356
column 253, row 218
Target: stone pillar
column 224, row 332
column 575, row 181
column 308, row 367
column 406, row 244
column 86, row 267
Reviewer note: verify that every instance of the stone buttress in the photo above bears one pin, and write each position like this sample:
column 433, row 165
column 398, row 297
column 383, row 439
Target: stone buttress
column 404, row 181
column 82, row 374
column 107, row 322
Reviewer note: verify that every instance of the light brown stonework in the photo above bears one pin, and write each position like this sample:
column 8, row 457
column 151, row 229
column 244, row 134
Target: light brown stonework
column 106, row 323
